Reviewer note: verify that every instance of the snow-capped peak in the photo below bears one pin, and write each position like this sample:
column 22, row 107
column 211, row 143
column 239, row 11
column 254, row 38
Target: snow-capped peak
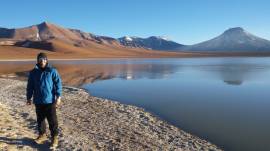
column 164, row 38
column 127, row 38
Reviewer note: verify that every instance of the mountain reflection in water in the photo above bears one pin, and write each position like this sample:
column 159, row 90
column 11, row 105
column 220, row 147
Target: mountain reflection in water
column 224, row 100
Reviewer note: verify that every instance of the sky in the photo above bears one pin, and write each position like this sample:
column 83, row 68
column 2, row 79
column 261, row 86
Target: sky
column 183, row 21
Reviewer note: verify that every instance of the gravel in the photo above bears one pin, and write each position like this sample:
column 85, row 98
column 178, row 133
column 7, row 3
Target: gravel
column 90, row 123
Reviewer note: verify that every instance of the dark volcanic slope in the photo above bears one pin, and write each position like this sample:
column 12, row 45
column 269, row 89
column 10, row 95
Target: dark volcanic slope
column 153, row 42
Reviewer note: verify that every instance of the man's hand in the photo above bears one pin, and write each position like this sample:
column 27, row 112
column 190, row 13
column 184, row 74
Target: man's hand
column 29, row 102
column 58, row 102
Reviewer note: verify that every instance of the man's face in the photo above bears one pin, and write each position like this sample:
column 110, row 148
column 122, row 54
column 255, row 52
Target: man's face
column 42, row 62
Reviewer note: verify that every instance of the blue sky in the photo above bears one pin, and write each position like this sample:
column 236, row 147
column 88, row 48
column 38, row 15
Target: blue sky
column 184, row 21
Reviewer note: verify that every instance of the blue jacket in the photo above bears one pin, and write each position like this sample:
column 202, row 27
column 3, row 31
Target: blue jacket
column 44, row 85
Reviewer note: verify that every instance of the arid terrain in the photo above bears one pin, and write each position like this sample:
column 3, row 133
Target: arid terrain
column 61, row 43
column 64, row 43
column 89, row 123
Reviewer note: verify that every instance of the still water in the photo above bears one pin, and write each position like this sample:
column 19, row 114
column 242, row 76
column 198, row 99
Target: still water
column 223, row 100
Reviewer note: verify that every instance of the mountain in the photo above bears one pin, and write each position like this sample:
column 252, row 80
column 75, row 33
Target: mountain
column 41, row 35
column 153, row 42
column 60, row 42
column 48, row 36
column 45, row 32
column 233, row 39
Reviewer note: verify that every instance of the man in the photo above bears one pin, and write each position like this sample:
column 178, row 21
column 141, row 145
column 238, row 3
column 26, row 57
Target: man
column 44, row 84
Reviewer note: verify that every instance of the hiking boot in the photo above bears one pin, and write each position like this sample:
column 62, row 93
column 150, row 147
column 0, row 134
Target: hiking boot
column 54, row 142
column 41, row 139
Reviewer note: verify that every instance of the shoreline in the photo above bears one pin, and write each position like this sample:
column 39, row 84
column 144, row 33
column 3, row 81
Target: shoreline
column 188, row 55
column 92, row 123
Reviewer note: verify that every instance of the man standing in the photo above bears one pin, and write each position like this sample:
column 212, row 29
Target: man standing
column 44, row 84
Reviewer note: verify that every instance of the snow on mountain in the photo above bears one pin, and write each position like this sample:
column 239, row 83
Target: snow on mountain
column 47, row 31
column 233, row 39
column 153, row 42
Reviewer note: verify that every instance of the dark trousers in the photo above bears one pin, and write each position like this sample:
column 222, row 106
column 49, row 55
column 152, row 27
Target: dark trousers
column 48, row 111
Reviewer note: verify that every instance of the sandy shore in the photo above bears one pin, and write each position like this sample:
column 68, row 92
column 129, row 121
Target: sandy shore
column 89, row 123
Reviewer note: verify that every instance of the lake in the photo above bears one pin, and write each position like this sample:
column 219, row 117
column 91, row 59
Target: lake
column 223, row 100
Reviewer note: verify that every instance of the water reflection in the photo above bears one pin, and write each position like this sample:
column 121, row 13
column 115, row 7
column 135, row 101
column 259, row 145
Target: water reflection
column 150, row 71
column 232, row 71
column 225, row 100
column 201, row 96
column 77, row 73
column 234, row 82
